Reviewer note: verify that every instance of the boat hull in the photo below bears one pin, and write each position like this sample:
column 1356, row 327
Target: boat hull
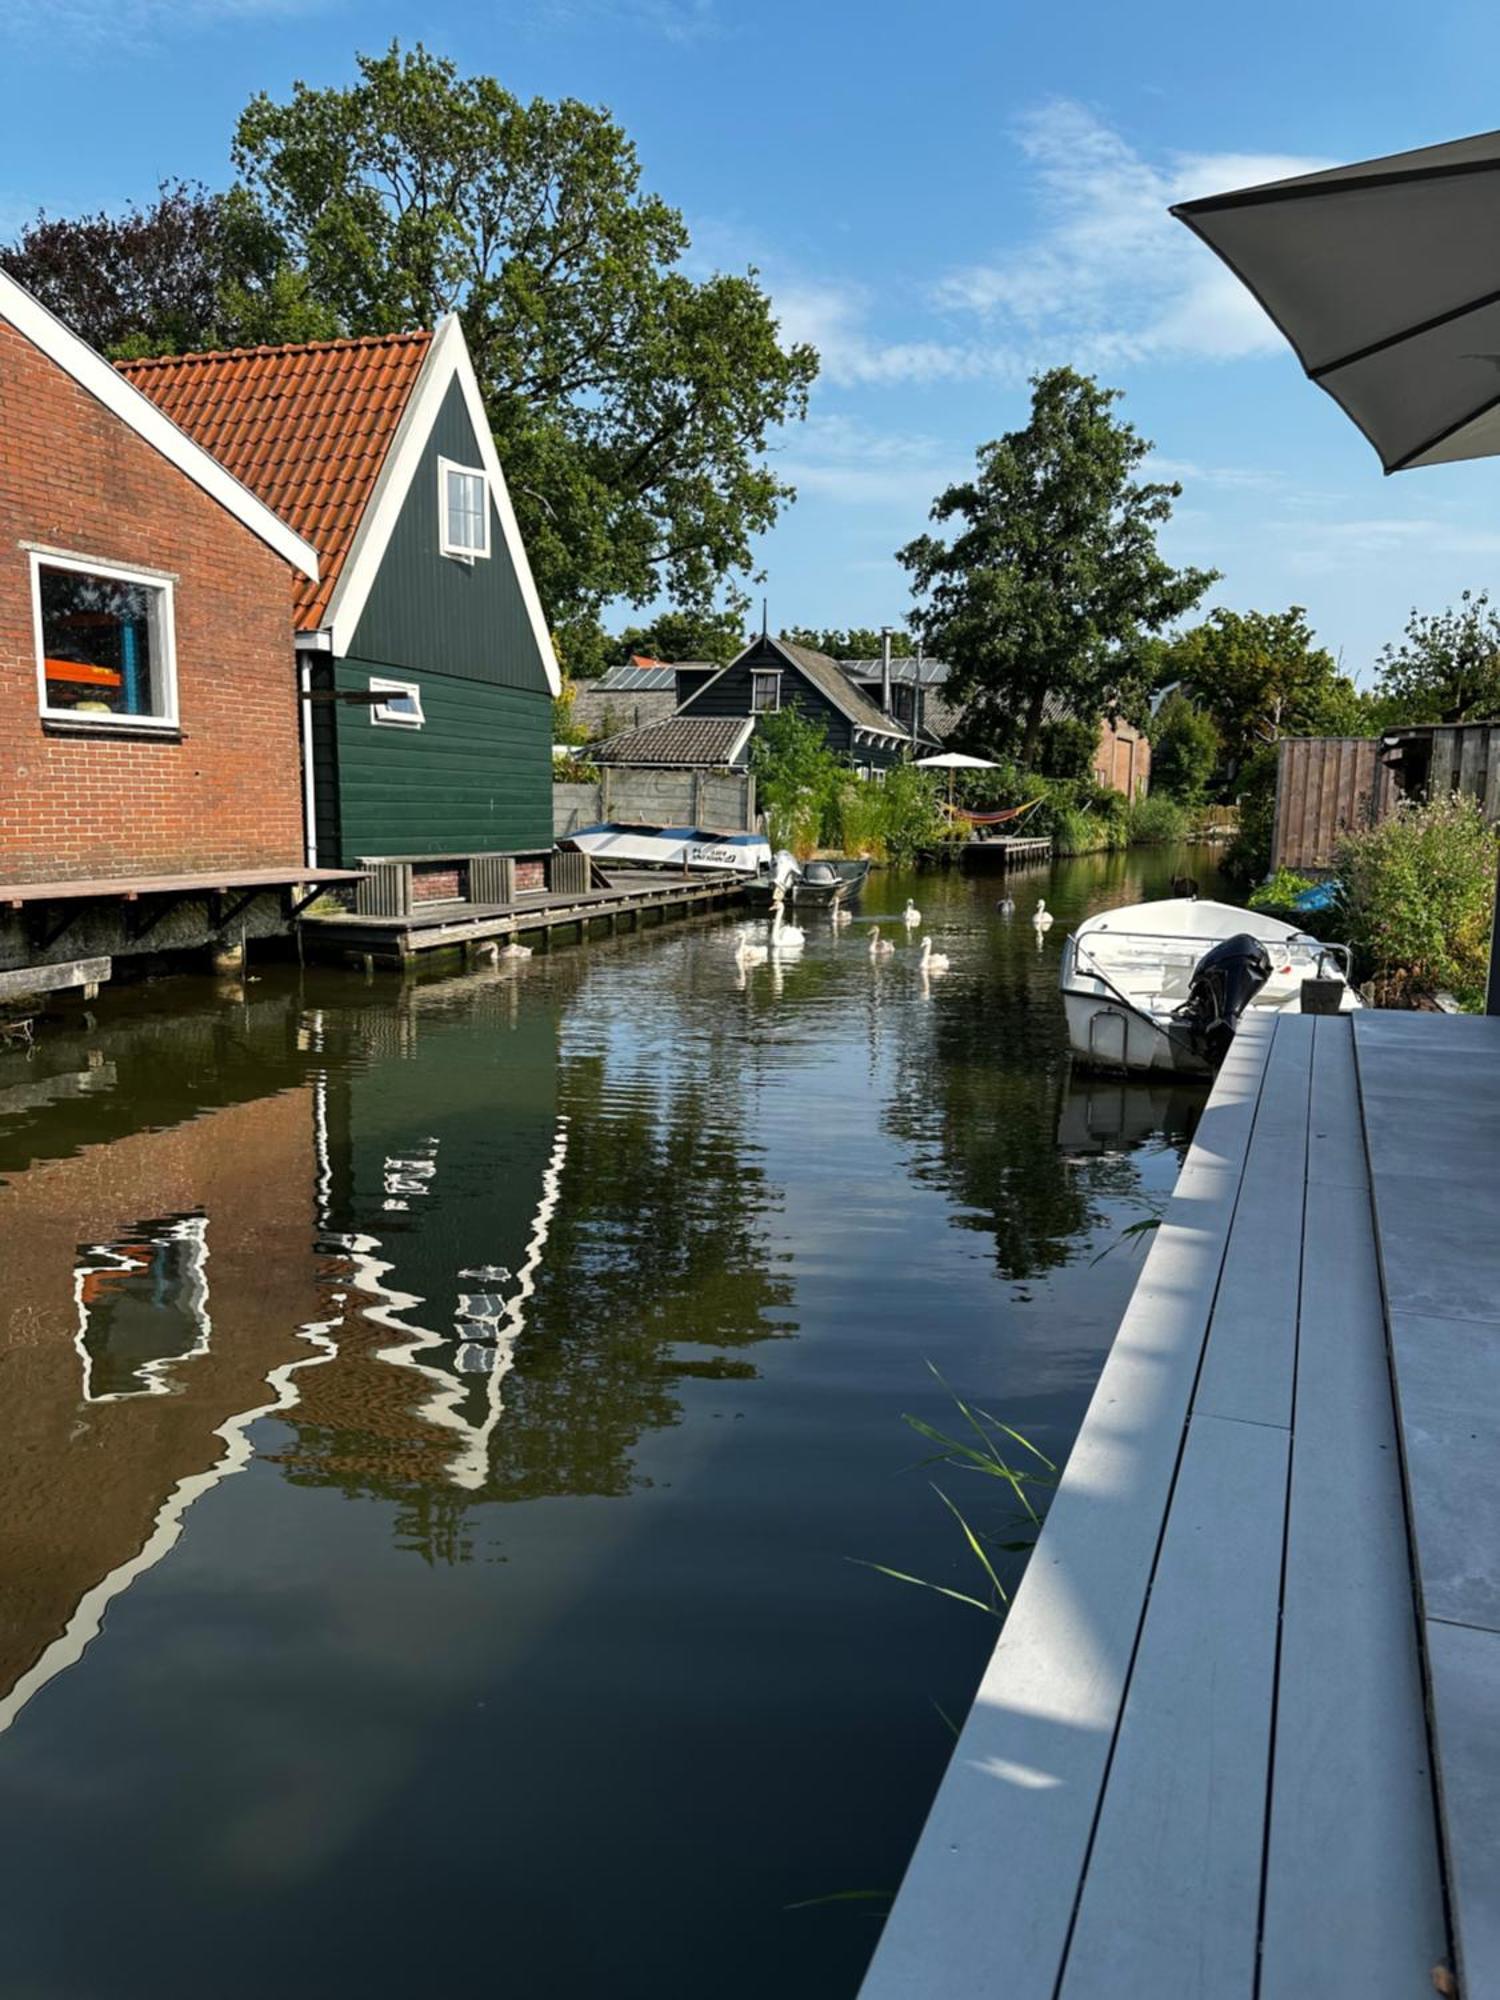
column 1118, row 1039
column 680, row 847
column 799, row 893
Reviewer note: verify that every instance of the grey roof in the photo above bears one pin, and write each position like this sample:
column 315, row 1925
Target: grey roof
column 633, row 679
column 830, row 679
column 933, row 672
column 681, row 742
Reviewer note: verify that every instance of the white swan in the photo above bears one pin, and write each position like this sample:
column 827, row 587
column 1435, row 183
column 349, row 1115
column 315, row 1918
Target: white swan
column 879, row 946
column 785, row 936
column 911, row 916
column 933, row 961
column 1041, row 916
column 514, row 950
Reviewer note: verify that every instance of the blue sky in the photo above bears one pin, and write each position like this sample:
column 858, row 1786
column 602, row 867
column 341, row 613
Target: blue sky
column 943, row 197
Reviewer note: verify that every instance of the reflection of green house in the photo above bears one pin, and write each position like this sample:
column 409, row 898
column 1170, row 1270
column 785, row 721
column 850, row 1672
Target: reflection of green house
column 427, row 668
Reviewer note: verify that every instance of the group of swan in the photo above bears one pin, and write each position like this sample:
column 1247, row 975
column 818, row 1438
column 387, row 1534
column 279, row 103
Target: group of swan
column 930, row 961
column 491, row 953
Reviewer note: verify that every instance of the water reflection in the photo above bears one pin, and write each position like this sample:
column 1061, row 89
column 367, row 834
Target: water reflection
column 560, row 1326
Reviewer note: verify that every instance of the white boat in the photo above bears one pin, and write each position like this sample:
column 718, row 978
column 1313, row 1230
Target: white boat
column 1139, row 996
column 680, row 847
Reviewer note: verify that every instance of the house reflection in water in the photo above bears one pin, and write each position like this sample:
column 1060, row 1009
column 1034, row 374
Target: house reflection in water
column 130, row 1376
column 344, row 1217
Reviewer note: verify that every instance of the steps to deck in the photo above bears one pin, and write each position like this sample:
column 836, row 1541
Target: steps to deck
column 1200, row 1762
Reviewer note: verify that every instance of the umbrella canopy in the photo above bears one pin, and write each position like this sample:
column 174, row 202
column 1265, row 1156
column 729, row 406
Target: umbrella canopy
column 955, row 760
column 1385, row 278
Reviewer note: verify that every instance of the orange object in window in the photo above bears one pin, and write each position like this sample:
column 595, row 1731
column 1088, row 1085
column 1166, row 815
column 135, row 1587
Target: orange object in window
column 80, row 670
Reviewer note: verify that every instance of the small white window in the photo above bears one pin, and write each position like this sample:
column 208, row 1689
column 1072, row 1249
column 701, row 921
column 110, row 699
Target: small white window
column 105, row 656
column 400, row 704
column 463, row 510
column 765, row 693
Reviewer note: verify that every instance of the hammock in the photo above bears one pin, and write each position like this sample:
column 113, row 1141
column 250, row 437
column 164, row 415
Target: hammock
column 994, row 818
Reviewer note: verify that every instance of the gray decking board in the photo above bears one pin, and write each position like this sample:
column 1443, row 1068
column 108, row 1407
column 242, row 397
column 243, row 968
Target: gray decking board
column 1250, row 1358
column 1353, row 1894
column 1032, row 1755
column 1185, row 1803
column 1199, row 1759
column 1464, row 1664
column 1448, row 1377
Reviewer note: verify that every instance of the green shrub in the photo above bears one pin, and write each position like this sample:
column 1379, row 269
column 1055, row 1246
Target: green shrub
column 1156, row 819
column 574, row 770
column 911, row 817
column 797, row 779
column 1418, row 896
column 1184, row 749
column 1277, row 897
column 1248, row 855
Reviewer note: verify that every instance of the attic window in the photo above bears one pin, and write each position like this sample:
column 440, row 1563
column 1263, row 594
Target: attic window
column 463, row 511
column 765, row 693
column 400, row 705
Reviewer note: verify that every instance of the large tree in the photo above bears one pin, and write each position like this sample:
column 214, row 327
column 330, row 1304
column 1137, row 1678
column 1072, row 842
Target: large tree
column 1262, row 675
column 1446, row 666
column 191, row 269
column 853, row 642
column 1052, row 584
column 631, row 403
column 682, row 635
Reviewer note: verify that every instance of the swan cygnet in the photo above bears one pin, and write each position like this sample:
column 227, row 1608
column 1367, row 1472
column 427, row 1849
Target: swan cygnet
column 1041, row 917
column 751, row 954
column 879, row 946
column 911, row 916
column 933, row 961
column 839, row 915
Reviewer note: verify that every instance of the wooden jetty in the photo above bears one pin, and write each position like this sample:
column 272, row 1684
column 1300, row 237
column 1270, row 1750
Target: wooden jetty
column 634, row 896
column 1006, row 851
column 1240, row 1735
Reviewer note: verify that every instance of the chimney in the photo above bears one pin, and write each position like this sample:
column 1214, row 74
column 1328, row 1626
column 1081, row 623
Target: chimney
column 916, row 698
column 885, row 669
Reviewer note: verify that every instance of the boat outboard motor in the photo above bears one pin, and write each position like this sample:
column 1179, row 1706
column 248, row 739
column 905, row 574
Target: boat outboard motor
column 1225, row 981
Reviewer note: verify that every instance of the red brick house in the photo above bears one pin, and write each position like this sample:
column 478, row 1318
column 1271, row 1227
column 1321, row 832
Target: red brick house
column 150, row 727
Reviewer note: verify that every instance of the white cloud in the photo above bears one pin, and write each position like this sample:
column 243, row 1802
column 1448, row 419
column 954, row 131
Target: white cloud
column 835, row 318
column 836, row 458
column 1111, row 275
column 139, row 20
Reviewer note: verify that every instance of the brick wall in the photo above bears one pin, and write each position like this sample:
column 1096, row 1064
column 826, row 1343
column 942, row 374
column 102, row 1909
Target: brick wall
column 74, row 478
column 1122, row 759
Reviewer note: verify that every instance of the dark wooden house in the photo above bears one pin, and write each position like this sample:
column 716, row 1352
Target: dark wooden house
column 773, row 674
column 426, row 665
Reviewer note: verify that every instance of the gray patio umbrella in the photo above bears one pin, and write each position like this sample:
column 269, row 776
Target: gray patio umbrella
column 1385, row 278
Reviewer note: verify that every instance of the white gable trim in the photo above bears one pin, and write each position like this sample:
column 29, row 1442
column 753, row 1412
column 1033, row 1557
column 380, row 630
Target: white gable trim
column 133, row 407
column 447, row 361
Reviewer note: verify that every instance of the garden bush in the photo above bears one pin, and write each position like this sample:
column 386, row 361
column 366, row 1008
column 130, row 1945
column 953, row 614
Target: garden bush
column 1418, row 895
column 1156, row 819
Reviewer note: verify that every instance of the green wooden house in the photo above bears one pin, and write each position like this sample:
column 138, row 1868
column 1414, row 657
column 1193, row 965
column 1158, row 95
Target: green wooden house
column 426, row 666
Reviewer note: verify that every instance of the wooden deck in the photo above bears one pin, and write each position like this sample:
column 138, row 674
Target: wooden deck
column 634, row 895
column 1240, row 1735
column 1006, row 851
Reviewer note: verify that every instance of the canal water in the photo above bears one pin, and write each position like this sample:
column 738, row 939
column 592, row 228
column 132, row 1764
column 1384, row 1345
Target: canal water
column 447, row 1427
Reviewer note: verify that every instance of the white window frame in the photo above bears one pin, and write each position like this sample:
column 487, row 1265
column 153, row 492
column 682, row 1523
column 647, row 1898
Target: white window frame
column 380, row 713
column 165, row 667
column 757, row 675
column 446, row 542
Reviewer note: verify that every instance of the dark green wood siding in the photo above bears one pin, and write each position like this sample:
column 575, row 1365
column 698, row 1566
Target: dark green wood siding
column 476, row 778
column 730, row 694
column 429, row 612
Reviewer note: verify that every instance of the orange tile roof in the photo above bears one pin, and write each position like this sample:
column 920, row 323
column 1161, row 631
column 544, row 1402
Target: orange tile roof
column 306, row 428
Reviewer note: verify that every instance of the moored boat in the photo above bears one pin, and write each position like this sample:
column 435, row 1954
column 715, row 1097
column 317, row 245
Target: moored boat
column 1163, row 986
column 682, row 847
column 810, row 885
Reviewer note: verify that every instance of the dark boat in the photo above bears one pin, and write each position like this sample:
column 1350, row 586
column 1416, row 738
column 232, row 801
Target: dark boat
column 816, row 885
